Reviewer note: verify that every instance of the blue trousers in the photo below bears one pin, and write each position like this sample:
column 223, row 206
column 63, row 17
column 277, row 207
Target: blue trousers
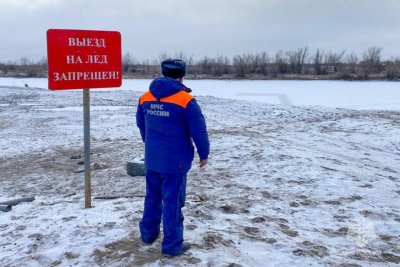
column 165, row 197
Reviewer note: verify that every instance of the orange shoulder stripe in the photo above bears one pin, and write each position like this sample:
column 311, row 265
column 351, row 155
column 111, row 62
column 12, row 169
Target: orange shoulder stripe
column 181, row 98
column 147, row 97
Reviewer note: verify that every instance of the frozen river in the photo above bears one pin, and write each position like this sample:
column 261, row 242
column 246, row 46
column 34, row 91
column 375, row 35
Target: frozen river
column 355, row 95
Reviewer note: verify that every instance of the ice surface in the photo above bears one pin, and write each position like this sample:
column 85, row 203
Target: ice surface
column 358, row 95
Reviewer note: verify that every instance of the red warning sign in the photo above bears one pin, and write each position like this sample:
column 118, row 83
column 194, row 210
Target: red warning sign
column 80, row 59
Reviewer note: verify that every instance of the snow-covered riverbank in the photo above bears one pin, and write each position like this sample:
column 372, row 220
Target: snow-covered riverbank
column 286, row 185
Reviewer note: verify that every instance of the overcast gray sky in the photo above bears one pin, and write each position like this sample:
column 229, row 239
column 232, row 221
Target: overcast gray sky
column 204, row 27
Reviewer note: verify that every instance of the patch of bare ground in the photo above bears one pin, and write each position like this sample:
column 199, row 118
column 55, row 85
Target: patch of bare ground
column 287, row 231
column 48, row 165
column 374, row 256
column 132, row 252
column 212, row 240
column 343, row 231
column 311, row 249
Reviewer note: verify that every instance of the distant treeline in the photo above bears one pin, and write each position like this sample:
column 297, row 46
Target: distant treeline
column 293, row 64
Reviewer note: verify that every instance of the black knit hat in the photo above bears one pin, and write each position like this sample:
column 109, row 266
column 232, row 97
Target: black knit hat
column 174, row 68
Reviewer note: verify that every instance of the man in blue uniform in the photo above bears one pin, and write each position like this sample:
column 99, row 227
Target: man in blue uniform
column 170, row 120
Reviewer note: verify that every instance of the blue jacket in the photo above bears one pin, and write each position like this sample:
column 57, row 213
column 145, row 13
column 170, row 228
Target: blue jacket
column 169, row 118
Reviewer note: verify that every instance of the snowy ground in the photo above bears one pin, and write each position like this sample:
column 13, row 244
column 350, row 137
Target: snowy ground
column 286, row 185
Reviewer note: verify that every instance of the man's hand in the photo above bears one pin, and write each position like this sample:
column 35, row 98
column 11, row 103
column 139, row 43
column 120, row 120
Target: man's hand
column 202, row 163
